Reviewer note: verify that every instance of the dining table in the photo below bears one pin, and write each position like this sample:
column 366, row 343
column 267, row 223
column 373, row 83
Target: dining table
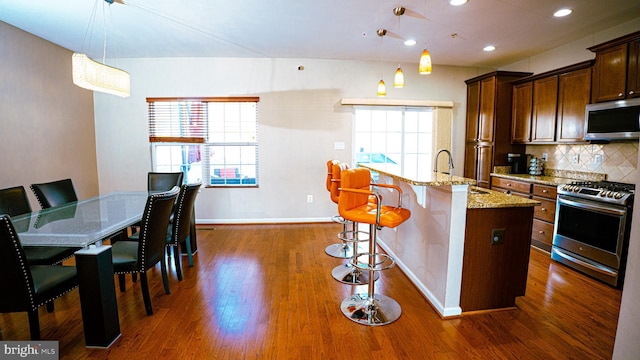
column 86, row 224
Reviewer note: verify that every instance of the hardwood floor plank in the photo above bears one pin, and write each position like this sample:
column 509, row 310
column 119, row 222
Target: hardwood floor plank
column 266, row 292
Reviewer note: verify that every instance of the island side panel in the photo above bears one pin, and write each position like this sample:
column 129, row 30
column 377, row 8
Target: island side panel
column 422, row 246
column 493, row 275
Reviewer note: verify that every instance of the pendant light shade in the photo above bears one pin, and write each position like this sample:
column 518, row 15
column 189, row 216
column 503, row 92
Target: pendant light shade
column 398, row 79
column 382, row 89
column 92, row 75
column 425, row 63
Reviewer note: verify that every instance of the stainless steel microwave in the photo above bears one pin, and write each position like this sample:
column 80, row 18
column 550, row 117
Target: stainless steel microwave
column 613, row 120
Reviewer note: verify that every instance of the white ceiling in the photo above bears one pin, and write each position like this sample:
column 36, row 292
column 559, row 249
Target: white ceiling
column 324, row 29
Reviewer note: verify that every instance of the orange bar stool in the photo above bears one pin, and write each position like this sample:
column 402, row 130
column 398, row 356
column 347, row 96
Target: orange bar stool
column 354, row 205
column 347, row 273
column 342, row 250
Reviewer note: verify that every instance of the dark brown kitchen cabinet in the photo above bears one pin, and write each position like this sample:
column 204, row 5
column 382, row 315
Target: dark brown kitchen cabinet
column 616, row 71
column 543, row 214
column 545, row 101
column 574, row 93
column 488, row 128
column 549, row 108
column 521, row 111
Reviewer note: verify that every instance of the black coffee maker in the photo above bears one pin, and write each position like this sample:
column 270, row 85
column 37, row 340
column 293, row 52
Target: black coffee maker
column 518, row 163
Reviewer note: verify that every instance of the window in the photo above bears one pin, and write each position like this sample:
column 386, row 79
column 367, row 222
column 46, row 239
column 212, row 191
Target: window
column 401, row 136
column 213, row 140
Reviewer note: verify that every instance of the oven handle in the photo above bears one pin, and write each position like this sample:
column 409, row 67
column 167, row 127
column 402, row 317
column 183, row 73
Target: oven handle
column 584, row 263
column 601, row 208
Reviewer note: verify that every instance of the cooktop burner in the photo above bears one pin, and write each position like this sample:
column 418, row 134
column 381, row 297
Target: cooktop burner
column 606, row 191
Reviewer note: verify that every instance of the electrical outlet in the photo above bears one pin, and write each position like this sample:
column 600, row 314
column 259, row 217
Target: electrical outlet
column 597, row 159
column 545, row 156
column 497, row 236
column 309, row 198
column 575, row 159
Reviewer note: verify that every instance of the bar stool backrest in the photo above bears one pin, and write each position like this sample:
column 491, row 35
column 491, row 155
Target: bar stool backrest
column 357, row 178
column 336, row 180
column 330, row 164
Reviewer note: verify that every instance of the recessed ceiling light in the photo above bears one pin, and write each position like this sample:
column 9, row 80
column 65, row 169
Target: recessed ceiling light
column 410, row 42
column 457, row 2
column 562, row 12
column 489, row 48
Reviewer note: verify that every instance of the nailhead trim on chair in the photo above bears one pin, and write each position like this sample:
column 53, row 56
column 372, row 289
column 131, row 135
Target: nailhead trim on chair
column 23, row 265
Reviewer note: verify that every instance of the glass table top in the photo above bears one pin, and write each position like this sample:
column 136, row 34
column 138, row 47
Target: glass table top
column 81, row 223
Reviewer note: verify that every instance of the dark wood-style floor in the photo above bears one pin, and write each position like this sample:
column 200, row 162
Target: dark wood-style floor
column 266, row 292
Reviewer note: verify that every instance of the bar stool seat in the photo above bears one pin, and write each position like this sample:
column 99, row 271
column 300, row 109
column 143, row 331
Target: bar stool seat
column 353, row 205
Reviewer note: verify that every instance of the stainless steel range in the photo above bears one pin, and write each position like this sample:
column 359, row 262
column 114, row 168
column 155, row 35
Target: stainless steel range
column 592, row 228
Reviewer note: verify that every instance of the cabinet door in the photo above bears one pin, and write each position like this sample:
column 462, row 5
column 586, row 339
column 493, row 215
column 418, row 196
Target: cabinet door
column 633, row 76
column 473, row 111
column 484, row 165
column 470, row 160
column 610, row 74
column 545, row 100
column 521, row 113
column 574, row 92
column 487, row 109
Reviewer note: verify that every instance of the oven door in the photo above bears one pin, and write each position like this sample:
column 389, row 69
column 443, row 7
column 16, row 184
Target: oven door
column 595, row 231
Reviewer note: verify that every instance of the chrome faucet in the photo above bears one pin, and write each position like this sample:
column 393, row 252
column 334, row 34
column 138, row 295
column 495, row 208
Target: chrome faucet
column 435, row 167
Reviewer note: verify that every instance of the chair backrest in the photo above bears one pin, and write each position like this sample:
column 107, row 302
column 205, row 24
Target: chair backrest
column 357, row 178
column 183, row 211
column 16, row 281
column 163, row 181
column 54, row 193
column 336, row 180
column 153, row 228
column 330, row 164
column 14, row 201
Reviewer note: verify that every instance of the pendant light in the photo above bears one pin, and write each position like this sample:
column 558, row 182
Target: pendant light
column 398, row 79
column 382, row 88
column 424, row 66
column 92, row 75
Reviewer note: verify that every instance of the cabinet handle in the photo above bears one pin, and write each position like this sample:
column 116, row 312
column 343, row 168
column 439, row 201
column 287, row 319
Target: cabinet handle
column 540, row 232
column 508, row 184
column 543, row 209
column 544, row 191
column 620, row 94
column 631, row 92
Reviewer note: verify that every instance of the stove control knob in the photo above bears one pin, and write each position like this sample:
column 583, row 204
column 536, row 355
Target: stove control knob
column 603, row 193
column 617, row 195
column 609, row 193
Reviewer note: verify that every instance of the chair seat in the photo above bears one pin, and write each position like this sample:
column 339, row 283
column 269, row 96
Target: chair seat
column 125, row 256
column 47, row 255
column 389, row 216
column 51, row 280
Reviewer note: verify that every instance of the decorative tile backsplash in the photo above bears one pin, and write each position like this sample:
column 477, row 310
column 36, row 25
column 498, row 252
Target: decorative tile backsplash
column 618, row 160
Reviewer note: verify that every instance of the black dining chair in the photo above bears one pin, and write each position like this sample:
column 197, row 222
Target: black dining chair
column 163, row 181
column 143, row 253
column 13, row 202
column 180, row 228
column 25, row 287
column 54, row 193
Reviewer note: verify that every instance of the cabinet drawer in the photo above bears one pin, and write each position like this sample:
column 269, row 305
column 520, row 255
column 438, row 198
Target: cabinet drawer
column 545, row 191
column 542, row 231
column 512, row 185
column 546, row 210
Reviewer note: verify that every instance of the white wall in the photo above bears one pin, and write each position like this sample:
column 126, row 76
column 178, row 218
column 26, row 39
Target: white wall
column 46, row 122
column 300, row 119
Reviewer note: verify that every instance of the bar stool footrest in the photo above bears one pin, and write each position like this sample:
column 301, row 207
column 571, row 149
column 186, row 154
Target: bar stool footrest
column 338, row 219
column 380, row 262
column 353, row 236
column 351, row 275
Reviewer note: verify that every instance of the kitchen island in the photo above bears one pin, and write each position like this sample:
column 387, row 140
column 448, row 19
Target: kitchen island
column 447, row 257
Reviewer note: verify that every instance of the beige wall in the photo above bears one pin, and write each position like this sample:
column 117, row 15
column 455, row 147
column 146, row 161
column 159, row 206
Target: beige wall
column 300, row 118
column 46, row 122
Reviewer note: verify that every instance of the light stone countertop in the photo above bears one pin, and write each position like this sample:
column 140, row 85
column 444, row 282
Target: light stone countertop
column 424, row 178
column 491, row 199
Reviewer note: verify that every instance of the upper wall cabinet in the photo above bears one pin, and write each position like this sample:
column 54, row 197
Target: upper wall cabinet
column 550, row 107
column 616, row 71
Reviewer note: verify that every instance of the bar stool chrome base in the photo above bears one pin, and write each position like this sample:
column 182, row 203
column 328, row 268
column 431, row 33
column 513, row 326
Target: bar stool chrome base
column 380, row 310
column 340, row 251
column 349, row 274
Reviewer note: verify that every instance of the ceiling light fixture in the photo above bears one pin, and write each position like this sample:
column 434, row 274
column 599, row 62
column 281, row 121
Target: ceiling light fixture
column 95, row 76
column 489, row 48
column 457, row 2
column 382, row 88
column 398, row 79
column 409, row 42
column 562, row 12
